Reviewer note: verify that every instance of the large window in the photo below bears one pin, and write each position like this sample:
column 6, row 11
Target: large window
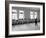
column 14, row 14
column 21, row 14
column 33, row 15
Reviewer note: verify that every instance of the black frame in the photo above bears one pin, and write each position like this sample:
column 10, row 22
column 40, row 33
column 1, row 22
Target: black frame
column 7, row 18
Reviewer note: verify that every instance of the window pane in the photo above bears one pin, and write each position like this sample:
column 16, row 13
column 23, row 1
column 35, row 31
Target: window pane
column 14, row 11
column 35, row 16
column 14, row 16
column 31, row 12
column 31, row 17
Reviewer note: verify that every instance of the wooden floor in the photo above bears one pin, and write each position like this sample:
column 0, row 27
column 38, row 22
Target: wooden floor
column 26, row 27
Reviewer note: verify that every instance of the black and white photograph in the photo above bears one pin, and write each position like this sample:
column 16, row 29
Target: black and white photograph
column 24, row 18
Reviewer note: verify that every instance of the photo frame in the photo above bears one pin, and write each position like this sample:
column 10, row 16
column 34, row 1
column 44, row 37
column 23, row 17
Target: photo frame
column 24, row 18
